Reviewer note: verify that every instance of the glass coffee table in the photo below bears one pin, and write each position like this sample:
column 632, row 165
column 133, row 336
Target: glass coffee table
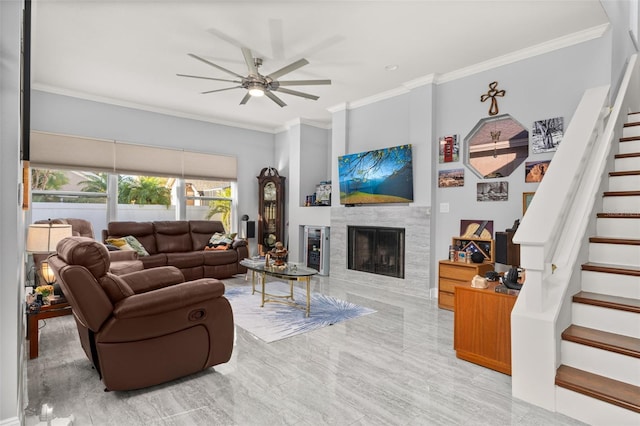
column 291, row 273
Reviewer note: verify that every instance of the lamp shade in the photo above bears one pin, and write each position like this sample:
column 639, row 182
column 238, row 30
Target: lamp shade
column 43, row 238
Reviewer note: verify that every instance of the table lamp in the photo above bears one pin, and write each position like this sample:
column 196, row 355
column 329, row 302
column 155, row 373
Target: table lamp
column 42, row 238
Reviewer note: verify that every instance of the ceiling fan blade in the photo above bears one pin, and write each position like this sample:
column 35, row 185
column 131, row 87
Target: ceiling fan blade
column 214, row 65
column 286, row 70
column 274, row 98
column 208, row 78
column 296, row 93
column 245, row 99
column 251, row 64
column 221, row 90
column 303, row 82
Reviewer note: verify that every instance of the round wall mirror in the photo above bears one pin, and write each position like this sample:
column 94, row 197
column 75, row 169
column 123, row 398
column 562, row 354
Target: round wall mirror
column 496, row 147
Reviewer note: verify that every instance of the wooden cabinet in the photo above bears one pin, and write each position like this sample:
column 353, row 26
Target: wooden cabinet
column 452, row 274
column 270, row 209
column 482, row 327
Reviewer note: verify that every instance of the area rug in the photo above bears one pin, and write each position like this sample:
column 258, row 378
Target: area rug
column 277, row 321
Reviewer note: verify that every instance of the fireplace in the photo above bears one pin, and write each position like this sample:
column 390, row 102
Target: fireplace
column 377, row 250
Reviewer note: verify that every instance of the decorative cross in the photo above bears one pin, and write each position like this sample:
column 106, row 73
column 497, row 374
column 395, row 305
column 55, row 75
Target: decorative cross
column 492, row 93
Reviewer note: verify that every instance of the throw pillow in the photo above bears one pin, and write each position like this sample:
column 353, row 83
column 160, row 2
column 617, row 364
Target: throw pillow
column 219, row 238
column 121, row 243
column 137, row 245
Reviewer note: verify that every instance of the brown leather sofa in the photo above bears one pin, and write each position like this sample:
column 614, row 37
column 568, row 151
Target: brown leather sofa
column 181, row 244
column 146, row 327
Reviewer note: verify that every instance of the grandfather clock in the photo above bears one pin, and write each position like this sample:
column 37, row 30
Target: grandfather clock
column 270, row 209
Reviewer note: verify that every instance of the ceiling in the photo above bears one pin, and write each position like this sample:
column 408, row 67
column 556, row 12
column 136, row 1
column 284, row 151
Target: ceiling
column 129, row 52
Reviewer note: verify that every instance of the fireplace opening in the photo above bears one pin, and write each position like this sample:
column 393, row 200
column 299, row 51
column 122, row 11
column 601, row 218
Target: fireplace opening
column 376, row 250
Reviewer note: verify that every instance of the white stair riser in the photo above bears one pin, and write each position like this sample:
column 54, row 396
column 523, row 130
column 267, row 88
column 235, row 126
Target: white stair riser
column 621, row 204
column 633, row 117
column 611, row 284
column 614, row 254
column 624, row 183
column 601, row 362
column 611, row 320
column 631, row 131
column 626, row 164
column 593, row 411
column 611, row 227
column 629, row 147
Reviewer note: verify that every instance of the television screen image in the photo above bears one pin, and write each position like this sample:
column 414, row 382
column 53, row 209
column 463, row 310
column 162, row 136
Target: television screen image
column 378, row 176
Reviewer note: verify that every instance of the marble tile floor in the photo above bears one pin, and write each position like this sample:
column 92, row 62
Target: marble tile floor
column 394, row 367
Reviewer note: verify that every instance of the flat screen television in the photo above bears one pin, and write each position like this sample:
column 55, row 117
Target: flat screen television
column 378, row 176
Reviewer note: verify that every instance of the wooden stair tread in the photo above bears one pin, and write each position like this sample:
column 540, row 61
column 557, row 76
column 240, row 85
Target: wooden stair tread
column 613, row 342
column 631, row 124
column 630, row 155
column 625, row 173
column 630, row 138
column 618, row 215
column 607, row 301
column 620, row 193
column 609, row 269
column 625, row 241
column 605, row 389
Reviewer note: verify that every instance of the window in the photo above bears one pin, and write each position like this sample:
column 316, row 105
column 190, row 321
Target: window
column 69, row 193
column 58, row 193
column 209, row 200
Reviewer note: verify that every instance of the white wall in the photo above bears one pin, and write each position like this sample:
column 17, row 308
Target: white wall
column 12, row 233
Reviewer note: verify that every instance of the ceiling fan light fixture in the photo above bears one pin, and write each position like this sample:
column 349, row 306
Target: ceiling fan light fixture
column 256, row 90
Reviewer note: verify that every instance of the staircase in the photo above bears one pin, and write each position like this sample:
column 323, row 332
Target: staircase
column 598, row 381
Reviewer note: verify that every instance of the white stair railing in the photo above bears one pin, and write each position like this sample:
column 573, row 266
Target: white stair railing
column 552, row 236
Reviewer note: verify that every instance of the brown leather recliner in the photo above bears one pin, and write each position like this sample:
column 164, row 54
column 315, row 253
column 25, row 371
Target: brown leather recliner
column 146, row 327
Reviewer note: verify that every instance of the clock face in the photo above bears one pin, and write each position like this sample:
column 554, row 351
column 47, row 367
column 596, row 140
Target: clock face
column 270, row 191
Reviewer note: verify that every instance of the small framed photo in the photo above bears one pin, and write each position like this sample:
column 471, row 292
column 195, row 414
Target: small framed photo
column 450, row 178
column 461, row 256
column 449, row 149
column 526, row 200
column 547, row 134
column 535, row 170
column 492, row 191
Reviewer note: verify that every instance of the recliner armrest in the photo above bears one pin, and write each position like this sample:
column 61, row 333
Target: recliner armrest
column 239, row 243
column 169, row 298
column 153, row 279
column 117, row 256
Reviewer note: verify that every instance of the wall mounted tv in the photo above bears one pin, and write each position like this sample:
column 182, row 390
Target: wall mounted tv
column 379, row 176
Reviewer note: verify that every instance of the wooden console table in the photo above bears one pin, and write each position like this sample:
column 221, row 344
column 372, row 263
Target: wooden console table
column 482, row 327
column 46, row 311
column 452, row 274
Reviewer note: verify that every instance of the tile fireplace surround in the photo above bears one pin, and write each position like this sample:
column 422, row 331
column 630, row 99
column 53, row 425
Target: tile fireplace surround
column 415, row 220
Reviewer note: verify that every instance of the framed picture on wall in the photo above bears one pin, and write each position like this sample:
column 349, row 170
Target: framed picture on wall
column 546, row 134
column 534, row 171
column 450, row 178
column 449, row 149
column 526, row 200
column 492, row 191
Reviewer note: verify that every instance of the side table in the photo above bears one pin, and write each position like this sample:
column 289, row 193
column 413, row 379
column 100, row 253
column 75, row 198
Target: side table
column 46, row 311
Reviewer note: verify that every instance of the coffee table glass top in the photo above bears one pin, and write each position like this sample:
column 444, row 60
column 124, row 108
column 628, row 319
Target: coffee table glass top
column 290, row 271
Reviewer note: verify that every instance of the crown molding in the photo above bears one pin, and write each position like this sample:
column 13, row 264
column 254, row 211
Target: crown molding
column 378, row 97
column 148, row 108
column 526, row 53
column 300, row 121
column 337, row 108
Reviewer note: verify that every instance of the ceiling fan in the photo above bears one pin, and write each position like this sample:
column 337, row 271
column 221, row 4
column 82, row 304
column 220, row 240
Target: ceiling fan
column 258, row 84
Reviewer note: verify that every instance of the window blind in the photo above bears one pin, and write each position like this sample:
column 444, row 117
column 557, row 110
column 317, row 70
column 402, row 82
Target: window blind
column 51, row 150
